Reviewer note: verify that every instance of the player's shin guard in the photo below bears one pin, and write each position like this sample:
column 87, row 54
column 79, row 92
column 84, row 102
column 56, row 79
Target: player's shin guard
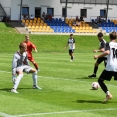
column 34, row 76
column 17, row 81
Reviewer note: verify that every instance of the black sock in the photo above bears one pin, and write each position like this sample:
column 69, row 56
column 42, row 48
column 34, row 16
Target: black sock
column 102, row 85
column 95, row 69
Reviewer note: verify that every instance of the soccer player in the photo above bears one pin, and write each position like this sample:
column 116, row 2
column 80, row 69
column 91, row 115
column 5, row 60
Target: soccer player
column 71, row 43
column 101, row 49
column 111, row 67
column 30, row 46
column 19, row 65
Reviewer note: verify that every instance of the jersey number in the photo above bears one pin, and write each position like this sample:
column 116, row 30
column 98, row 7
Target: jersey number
column 114, row 52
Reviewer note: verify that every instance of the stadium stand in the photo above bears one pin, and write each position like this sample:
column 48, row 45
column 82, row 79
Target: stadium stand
column 109, row 26
column 56, row 25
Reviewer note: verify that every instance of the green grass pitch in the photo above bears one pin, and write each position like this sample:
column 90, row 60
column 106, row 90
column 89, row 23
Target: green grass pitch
column 66, row 88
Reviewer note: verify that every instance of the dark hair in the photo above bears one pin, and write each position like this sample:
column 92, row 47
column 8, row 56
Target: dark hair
column 100, row 34
column 71, row 34
column 113, row 35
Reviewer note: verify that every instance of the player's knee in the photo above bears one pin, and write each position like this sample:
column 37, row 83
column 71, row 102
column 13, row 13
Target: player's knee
column 35, row 73
column 96, row 64
column 33, row 62
column 21, row 75
column 19, row 78
column 100, row 81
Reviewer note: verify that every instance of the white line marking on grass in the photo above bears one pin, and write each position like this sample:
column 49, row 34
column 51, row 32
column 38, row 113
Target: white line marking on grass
column 65, row 112
column 61, row 79
column 5, row 115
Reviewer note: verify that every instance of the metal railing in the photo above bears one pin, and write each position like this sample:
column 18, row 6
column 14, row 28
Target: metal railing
column 102, row 2
column 108, row 18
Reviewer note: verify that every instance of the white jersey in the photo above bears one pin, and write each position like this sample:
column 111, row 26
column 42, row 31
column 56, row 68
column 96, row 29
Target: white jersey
column 112, row 57
column 19, row 60
column 71, row 43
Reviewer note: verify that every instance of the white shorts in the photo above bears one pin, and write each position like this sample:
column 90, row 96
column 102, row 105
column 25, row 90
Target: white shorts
column 24, row 68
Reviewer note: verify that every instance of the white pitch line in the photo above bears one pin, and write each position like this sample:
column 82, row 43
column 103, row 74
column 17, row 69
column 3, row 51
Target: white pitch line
column 61, row 79
column 5, row 115
column 64, row 112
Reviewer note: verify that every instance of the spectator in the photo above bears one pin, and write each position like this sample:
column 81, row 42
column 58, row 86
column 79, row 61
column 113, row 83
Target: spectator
column 26, row 17
column 50, row 17
column 76, row 22
column 81, row 18
column 46, row 16
column 31, row 17
column 43, row 16
column 97, row 20
column 77, row 19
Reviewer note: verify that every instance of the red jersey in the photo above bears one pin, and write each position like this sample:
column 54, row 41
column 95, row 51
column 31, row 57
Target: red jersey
column 30, row 46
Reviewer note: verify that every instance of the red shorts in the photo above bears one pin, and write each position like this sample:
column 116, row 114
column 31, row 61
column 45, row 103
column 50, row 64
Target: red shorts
column 30, row 57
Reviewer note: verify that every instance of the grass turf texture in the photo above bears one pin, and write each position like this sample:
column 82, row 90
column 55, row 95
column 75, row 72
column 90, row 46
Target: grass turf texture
column 66, row 89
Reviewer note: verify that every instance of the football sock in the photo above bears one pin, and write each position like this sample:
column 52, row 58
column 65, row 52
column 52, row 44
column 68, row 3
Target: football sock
column 17, row 81
column 36, row 66
column 107, row 93
column 102, row 85
column 72, row 57
column 95, row 69
column 34, row 76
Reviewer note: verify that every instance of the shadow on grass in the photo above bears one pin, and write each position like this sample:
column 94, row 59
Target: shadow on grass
column 9, row 89
column 85, row 78
column 8, row 25
column 93, row 101
column 88, row 101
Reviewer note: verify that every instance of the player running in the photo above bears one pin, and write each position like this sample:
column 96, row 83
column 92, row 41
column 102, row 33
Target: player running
column 101, row 49
column 19, row 65
column 111, row 67
column 71, row 43
column 30, row 46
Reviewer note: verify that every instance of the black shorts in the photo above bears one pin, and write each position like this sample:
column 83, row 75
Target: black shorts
column 71, row 51
column 99, row 60
column 107, row 75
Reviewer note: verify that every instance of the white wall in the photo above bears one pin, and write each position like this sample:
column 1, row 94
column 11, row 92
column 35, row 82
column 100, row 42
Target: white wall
column 72, row 10
column 5, row 3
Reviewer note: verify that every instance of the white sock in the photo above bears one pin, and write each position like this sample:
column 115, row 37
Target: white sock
column 34, row 76
column 107, row 93
column 17, row 81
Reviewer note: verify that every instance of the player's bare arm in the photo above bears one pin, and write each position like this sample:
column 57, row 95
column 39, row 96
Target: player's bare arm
column 66, row 46
column 100, row 50
column 35, row 50
column 102, row 55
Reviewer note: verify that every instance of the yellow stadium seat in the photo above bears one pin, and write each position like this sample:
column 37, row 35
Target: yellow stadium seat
column 23, row 21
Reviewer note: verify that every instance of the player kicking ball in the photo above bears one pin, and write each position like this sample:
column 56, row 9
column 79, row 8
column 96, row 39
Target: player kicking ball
column 111, row 67
column 20, row 64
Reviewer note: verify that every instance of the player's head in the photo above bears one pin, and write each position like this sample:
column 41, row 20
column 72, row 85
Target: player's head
column 113, row 35
column 27, row 38
column 100, row 36
column 71, row 36
column 22, row 47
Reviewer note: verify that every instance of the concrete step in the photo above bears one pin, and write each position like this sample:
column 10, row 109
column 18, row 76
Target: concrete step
column 19, row 27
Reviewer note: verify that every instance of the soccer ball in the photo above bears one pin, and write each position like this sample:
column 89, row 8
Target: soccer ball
column 95, row 85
